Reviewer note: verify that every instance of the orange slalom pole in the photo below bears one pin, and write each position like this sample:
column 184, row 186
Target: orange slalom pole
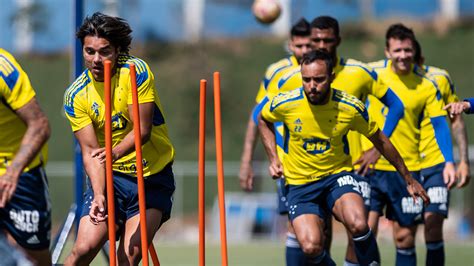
column 201, row 172
column 108, row 162
column 154, row 256
column 139, row 165
column 220, row 166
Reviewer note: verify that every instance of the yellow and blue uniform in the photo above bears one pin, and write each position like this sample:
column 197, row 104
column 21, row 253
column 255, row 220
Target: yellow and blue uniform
column 15, row 92
column 432, row 157
column 84, row 105
column 430, row 152
column 271, row 73
column 27, row 216
column 317, row 145
column 351, row 76
column 317, row 152
column 420, row 97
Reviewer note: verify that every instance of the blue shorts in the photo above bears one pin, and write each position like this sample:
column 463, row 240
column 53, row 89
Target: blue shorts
column 159, row 189
column 282, row 193
column 388, row 189
column 433, row 183
column 27, row 216
column 318, row 197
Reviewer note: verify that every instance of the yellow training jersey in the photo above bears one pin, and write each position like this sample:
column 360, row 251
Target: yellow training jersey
column 15, row 92
column 317, row 134
column 429, row 149
column 418, row 95
column 84, row 105
column 351, row 76
column 272, row 74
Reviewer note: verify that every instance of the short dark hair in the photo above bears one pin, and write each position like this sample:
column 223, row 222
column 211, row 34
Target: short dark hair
column 114, row 29
column 418, row 52
column 326, row 22
column 319, row 55
column 399, row 32
column 301, row 28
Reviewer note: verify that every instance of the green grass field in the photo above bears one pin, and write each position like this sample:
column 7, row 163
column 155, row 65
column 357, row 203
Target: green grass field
column 272, row 254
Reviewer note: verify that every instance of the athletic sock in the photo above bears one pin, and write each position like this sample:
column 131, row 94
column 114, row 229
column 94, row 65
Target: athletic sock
column 435, row 253
column 406, row 257
column 366, row 249
column 322, row 259
column 294, row 255
column 348, row 263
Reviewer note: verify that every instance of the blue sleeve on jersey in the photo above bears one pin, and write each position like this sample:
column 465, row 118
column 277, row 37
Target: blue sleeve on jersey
column 443, row 137
column 395, row 112
column 9, row 73
column 258, row 109
column 471, row 102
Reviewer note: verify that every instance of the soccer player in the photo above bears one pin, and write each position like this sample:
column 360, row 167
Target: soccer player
column 317, row 166
column 360, row 80
column 108, row 38
column 436, row 171
column 299, row 44
column 467, row 106
column 25, row 208
column 420, row 98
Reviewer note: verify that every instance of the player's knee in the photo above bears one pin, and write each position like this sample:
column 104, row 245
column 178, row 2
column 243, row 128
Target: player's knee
column 311, row 247
column 433, row 227
column 129, row 256
column 404, row 239
column 81, row 249
column 358, row 226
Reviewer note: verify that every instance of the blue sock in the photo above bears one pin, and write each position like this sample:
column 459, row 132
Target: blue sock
column 294, row 255
column 321, row 260
column 406, row 257
column 435, row 253
column 366, row 249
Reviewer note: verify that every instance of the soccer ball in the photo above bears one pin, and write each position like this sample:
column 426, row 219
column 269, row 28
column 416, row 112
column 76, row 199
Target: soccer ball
column 266, row 11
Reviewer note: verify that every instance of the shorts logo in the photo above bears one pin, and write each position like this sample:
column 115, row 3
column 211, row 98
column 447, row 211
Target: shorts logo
column 438, row 194
column 364, row 189
column 410, row 206
column 348, row 180
column 33, row 240
column 292, row 209
column 25, row 220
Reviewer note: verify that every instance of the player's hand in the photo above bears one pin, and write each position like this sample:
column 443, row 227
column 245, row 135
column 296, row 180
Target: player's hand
column 449, row 175
column 246, row 176
column 8, row 184
column 456, row 108
column 367, row 161
column 97, row 212
column 276, row 169
column 463, row 174
column 100, row 154
column 416, row 190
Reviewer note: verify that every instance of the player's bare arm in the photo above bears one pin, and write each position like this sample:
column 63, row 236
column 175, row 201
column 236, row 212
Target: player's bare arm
column 459, row 132
column 95, row 171
column 36, row 135
column 246, row 172
column 386, row 148
column 127, row 145
column 367, row 161
column 267, row 134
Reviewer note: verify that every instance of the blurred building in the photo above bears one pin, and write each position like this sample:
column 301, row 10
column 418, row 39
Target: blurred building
column 46, row 25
